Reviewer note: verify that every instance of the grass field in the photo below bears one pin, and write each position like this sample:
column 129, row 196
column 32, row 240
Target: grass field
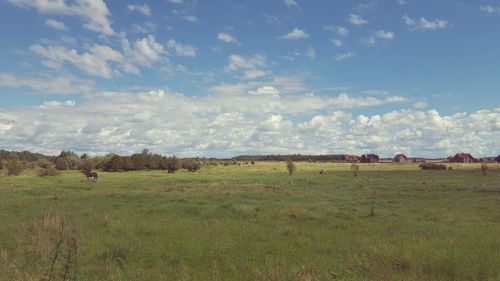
column 393, row 222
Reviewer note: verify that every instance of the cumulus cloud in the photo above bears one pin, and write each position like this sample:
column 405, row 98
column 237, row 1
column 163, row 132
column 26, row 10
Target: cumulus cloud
column 226, row 37
column 94, row 12
column 424, row 24
column 65, row 84
column 387, row 35
column 252, row 67
column 295, row 34
column 55, row 24
column 182, row 50
column 357, row 19
column 142, row 9
column 257, row 122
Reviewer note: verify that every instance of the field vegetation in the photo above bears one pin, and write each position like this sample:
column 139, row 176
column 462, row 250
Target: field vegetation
column 253, row 222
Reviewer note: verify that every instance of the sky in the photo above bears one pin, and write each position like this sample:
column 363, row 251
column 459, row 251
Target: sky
column 222, row 78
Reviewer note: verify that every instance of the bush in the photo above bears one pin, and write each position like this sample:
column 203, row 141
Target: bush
column 49, row 172
column 44, row 163
column 173, row 164
column 14, row 167
column 432, row 166
column 290, row 166
column 191, row 165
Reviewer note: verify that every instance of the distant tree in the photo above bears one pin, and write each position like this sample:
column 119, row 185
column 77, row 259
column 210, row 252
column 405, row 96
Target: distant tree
column 114, row 164
column 139, row 161
column 13, row 165
column 355, row 169
column 252, row 162
column 484, row 168
column 84, row 156
column 87, row 165
column 173, row 164
column 67, row 160
column 127, row 164
column 191, row 165
column 290, row 166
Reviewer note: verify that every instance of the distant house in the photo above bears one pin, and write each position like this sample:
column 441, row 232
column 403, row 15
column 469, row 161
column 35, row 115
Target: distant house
column 461, row 158
column 350, row 158
column 369, row 158
column 498, row 159
column 400, row 158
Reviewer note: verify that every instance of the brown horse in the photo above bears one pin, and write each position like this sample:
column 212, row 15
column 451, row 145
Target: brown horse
column 90, row 174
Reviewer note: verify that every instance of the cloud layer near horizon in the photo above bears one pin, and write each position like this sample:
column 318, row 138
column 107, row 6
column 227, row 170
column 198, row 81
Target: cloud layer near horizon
column 245, row 122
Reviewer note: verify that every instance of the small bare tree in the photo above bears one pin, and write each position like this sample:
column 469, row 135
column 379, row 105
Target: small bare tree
column 290, row 166
column 484, row 168
column 355, row 169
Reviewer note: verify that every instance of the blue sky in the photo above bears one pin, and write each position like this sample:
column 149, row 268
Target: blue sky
column 220, row 78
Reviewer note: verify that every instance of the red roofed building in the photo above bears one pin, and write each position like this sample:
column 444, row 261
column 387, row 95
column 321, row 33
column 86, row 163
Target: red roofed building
column 461, row 158
column 350, row 158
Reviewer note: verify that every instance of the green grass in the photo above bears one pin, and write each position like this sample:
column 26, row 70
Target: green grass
column 256, row 223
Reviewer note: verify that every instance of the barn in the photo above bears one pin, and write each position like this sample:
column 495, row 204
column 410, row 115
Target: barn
column 400, row 158
column 369, row 158
column 461, row 158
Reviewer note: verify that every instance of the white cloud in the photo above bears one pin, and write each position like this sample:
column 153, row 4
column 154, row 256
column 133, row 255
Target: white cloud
column 55, row 24
column 143, row 9
column 143, row 52
column 490, row 9
column 295, row 34
column 340, row 30
column 344, row 56
column 57, row 104
column 387, row 35
column 291, row 3
column 336, row 42
column 189, row 18
column 357, row 19
column 240, row 123
column 368, row 41
column 252, row 67
column 226, row 37
column 424, row 24
column 94, row 12
column 175, row 1
column 420, row 105
column 183, row 50
column 94, row 62
column 265, row 90
column 65, row 84
column 401, row 2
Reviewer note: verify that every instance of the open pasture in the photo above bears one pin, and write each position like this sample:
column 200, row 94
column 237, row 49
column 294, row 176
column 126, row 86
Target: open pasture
column 254, row 222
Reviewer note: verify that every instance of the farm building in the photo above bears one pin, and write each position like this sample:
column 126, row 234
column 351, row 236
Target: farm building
column 400, row 158
column 498, row 159
column 461, row 158
column 369, row 158
column 350, row 158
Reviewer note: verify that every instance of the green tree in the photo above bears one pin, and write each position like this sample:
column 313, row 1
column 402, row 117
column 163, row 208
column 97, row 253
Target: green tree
column 290, row 166
column 173, row 164
column 114, row 164
column 191, row 165
column 14, row 166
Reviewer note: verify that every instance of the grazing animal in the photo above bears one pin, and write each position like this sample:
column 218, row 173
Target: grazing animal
column 90, row 174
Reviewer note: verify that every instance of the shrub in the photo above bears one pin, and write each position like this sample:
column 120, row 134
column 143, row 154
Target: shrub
column 14, row 166
column 432, row 166
column 49, row 172
column 44, row 163
column 252, row 162
column 191, row 165
column 173, row 164
column 290, row 166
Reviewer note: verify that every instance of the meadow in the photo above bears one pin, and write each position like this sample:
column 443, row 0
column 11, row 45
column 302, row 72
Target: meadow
column 254, row 222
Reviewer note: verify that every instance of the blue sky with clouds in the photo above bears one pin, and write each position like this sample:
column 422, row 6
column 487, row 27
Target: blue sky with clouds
column 220, row 78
